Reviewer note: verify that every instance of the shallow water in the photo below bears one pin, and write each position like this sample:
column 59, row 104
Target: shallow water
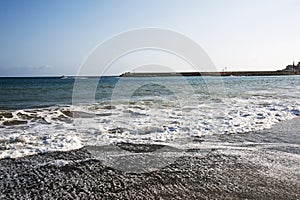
column 258, row 165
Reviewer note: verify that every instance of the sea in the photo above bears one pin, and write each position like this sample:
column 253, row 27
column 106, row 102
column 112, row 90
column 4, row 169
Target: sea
column 39, row 115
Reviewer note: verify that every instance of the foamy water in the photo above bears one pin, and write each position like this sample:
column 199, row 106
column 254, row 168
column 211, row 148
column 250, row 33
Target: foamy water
column 153, row 114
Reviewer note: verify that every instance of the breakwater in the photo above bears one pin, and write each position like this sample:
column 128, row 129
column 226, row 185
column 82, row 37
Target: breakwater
column 227, row 73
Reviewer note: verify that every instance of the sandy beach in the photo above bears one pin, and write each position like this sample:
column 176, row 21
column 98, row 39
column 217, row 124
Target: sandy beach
column 262, row 165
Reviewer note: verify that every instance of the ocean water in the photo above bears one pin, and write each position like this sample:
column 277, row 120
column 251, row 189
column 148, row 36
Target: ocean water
column 39, row 115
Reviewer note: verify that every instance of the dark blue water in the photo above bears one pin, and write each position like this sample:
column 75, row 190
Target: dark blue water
column 22, row 93
column 39, row 92
column 34, row 92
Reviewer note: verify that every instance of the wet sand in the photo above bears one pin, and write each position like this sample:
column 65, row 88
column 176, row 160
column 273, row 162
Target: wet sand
column 262, row 165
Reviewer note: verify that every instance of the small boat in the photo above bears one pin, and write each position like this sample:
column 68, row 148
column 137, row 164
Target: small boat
column 63, row 77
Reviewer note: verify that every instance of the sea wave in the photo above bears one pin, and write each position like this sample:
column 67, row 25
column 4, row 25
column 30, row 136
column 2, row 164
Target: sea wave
column 157, row 120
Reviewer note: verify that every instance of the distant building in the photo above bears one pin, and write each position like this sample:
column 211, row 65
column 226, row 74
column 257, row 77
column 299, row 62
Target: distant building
column 292, row 68
column 297, row 67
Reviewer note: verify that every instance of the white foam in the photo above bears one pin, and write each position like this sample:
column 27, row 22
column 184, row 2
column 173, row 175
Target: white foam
column 157, row 121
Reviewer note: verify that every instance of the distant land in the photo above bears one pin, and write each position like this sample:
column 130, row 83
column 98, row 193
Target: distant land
column 288, row 70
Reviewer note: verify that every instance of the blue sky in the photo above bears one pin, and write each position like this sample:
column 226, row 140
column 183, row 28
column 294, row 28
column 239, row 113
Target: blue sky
column 53, row 37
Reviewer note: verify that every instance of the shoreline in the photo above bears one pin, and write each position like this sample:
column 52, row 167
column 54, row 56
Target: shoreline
column 257, row 165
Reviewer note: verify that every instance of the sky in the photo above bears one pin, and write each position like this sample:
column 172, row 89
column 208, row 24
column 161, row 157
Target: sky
column 54, row 37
